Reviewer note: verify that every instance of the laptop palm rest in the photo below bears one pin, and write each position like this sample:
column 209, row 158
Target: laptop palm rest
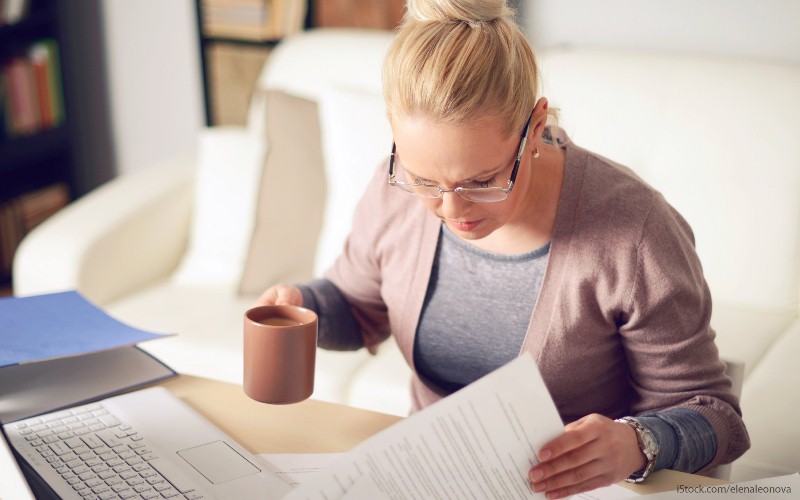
column 218, row 462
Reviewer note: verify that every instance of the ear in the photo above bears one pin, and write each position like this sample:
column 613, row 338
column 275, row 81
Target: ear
column 538, row 120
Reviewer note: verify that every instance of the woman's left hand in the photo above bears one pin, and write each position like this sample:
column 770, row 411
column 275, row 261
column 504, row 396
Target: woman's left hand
column 594, row 451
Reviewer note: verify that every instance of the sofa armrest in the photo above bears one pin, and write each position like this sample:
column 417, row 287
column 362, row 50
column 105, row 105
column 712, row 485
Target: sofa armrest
column 126, row 233
column 769, row 396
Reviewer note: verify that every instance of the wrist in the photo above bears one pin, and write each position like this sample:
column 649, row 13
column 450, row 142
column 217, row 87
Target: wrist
column 638, row 460
column 648, row 447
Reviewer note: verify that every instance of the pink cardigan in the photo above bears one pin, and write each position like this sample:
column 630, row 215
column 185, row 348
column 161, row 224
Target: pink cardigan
column 621, row 324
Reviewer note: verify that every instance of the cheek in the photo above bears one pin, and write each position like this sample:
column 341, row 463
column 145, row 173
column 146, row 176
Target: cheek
column 494, row 211
column 434, row 205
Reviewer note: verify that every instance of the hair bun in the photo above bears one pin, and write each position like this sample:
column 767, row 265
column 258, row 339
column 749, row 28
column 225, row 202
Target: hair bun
column 469, row 11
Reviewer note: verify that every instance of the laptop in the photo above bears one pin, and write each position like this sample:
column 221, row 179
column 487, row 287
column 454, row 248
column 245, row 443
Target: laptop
column 144, row 444
column 12, row 483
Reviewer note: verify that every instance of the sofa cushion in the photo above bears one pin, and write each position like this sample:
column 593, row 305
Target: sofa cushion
column 770, row 399
column 355, row 137
column 208, row 322
column 717, row 136
column 225, row 190
column 745, row 334
column 383, row 383
column 291, row 197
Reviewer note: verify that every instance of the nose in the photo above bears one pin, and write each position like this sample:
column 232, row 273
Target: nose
column 453, row 206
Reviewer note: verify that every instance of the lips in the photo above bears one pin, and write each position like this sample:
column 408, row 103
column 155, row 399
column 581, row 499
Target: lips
column 463, row 225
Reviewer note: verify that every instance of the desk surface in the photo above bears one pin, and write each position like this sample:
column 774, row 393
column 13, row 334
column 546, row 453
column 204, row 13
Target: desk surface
column 319, row 427
column 308, row 427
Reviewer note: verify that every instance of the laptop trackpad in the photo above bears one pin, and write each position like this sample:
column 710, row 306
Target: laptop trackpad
column 218, row 462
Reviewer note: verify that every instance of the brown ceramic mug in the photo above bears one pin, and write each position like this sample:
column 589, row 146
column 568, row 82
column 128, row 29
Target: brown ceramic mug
column 280, row 346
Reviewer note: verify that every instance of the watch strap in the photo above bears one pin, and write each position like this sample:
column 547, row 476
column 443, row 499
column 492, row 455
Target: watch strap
column 647, row 444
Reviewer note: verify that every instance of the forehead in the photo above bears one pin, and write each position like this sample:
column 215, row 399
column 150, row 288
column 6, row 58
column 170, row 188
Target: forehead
column 452, row 152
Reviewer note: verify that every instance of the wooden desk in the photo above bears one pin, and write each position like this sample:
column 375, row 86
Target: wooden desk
column 319, row 427
column 308, row 427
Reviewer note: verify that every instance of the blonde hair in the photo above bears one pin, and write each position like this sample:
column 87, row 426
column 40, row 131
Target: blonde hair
column 455, row 60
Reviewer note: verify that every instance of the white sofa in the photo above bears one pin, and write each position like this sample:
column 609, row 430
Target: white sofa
column 184, row 246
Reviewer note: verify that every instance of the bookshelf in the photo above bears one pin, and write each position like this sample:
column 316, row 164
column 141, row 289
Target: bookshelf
column 375, row 14
column 35, row 139
column 236, row 37
column 232, row 58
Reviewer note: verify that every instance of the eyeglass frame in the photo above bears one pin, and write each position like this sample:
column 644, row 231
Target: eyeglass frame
column 458, row 189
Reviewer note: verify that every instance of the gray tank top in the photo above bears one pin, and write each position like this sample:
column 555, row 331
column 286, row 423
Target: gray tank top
column 476, row 311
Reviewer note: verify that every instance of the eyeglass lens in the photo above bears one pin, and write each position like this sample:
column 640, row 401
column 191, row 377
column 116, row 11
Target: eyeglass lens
column 487, row 194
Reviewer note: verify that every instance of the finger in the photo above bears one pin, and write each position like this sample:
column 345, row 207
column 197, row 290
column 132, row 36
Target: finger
column 289, row 295
column 574, row 437
column 577, row 474
column 567, row 462
column 574, row 489
column 577, row 423
column 284, row 296
column 267, row 298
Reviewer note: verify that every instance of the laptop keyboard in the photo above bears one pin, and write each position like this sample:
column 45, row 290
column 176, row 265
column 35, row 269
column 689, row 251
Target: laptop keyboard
column 100, row 457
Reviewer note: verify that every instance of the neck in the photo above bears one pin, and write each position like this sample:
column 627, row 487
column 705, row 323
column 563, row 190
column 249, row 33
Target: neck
column 531, row 226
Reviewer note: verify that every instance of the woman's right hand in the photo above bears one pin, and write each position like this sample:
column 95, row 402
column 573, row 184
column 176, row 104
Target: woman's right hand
column 280, row 295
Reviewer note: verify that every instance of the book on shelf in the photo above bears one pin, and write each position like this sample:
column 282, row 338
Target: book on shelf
column 32, row 90
column 38, row 205
column 45, row 60
column 12, row 11
column 11, row 233
column 254, row 20
column 252, row 13
column 20, row 215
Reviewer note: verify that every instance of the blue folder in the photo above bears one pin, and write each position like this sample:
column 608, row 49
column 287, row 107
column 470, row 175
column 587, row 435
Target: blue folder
column 57, row 325
column 59, row 350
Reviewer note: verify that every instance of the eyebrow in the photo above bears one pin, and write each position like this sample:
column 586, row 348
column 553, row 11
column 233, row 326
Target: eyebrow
column 482, row 175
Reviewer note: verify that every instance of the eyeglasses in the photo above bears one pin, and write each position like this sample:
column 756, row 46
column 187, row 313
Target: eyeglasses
column 488, row 194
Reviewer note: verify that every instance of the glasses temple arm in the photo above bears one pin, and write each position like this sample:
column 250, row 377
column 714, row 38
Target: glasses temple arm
column 391, row 161
column 522, row 144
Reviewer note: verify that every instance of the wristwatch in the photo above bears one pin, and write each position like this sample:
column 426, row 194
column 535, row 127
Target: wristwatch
column 648, row 445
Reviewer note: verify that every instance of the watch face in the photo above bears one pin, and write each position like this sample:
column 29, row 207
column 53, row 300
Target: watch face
column 650, row 444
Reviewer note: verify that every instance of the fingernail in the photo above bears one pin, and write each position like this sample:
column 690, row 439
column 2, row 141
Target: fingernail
column 544, row 454
column 536, row 475
column 537, row 487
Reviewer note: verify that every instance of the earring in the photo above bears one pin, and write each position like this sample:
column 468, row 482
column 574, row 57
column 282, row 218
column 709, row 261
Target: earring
column 535, row 151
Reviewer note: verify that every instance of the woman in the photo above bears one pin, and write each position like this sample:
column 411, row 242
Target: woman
column 489, row 234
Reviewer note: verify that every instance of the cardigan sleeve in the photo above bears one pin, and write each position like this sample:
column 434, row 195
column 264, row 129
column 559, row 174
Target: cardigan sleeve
column 337, row 327
column 666, row 333
column 686, row 439
column 357, row 271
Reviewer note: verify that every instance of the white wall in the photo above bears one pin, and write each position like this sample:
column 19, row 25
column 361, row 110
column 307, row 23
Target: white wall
column 760, row 28
column 155, row 84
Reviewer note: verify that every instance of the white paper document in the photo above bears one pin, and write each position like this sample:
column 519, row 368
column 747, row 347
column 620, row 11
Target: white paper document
column 298, row 468
column 477, row 443
column 612, row 492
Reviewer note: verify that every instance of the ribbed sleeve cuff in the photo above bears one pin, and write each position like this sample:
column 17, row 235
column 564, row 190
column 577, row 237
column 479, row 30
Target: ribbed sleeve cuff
column 338, row 329
column 686, row 439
